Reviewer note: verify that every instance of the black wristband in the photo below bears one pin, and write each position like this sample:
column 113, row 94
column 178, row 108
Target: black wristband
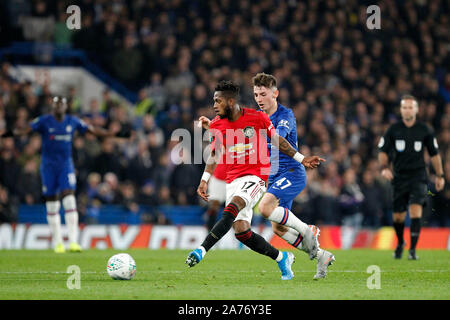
column 440, row 175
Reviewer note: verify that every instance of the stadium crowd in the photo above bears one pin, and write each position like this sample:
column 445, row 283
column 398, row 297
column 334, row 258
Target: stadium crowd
column 342, row 80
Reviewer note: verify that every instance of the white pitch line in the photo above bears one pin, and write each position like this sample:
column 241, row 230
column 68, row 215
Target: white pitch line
column 179, row 272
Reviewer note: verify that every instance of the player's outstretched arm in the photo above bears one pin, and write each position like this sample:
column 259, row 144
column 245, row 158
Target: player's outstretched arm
column 104, row 133
column 209, row 169
column 284, row 146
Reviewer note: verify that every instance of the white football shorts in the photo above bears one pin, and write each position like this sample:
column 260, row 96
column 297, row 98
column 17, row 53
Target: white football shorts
column 250, row 188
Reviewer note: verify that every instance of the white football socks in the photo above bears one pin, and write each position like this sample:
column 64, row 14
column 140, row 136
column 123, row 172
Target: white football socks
column 294, row 239
column 71, row 217
column 280, row 256
column 54, row 220
column 287, row 218
column 203, row 251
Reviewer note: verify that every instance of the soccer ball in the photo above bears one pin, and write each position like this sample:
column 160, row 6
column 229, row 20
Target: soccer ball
column 121, row 267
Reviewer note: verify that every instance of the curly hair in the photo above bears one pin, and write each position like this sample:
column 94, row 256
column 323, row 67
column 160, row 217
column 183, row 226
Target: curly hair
column 228, row 87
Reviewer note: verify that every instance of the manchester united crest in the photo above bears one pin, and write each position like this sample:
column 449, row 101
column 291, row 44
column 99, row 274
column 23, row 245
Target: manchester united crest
column 249, row 132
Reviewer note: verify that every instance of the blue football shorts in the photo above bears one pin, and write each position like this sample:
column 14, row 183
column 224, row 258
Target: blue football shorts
column 57, row 177
column 286, row 185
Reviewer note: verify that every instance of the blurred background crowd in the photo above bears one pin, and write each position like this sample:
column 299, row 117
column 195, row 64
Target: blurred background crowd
column 342, row 80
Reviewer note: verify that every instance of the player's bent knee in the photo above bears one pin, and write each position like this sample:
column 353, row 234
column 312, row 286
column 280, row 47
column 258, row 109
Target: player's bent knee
column 69, row 203
column 240, row 226
column 51, row 198
column 52, row 207
column 67, row 192
column 267, row 205
column 264, row 209
column 415, row 210
column 399, row 217
column 239, row 202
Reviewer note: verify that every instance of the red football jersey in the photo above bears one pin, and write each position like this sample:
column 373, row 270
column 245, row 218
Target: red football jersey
column 244, row 142
column 221, row 171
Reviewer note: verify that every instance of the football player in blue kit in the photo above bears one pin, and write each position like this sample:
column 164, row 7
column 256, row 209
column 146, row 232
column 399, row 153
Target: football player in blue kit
column 57, row 170
column 287, row 177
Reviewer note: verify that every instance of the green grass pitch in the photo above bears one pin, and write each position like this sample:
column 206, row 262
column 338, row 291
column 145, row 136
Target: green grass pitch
column 223, row 275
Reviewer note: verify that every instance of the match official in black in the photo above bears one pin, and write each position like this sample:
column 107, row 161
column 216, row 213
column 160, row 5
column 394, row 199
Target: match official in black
column 403, row 144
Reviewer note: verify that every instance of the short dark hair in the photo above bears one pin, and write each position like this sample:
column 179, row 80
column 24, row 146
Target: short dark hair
column 229, row 88
column 264, row 80
column 409, row 97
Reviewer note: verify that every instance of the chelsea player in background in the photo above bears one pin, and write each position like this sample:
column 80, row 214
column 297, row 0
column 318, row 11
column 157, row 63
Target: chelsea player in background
column 287, row 177
column 57, row 169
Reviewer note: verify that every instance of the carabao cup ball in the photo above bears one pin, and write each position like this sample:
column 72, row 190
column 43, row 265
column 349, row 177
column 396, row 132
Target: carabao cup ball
column 121, row 267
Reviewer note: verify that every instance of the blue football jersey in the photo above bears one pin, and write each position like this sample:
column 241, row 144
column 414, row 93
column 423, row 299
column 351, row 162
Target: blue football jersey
column 287, row 177
column 57, row 136
column 286, row 126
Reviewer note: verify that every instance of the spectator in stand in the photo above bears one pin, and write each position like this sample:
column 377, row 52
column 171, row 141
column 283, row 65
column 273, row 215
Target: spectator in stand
column 156, row 91
column 108, row 103
column 140, row 167
column 9, row 168
column 162, row 172
column 127, row 198
column 350, row 203
column 73, row 101
column 29, row 183
column 108, row 160
column 127, row 62
column 112, row 187
column 164, row 196
column 181, row 187
column 145, row 105
column 148, row 125
column 372, row 205
column 156, row 144
column 61, row 34
column 92, row 189
column 8, row 206
column 147, row 195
